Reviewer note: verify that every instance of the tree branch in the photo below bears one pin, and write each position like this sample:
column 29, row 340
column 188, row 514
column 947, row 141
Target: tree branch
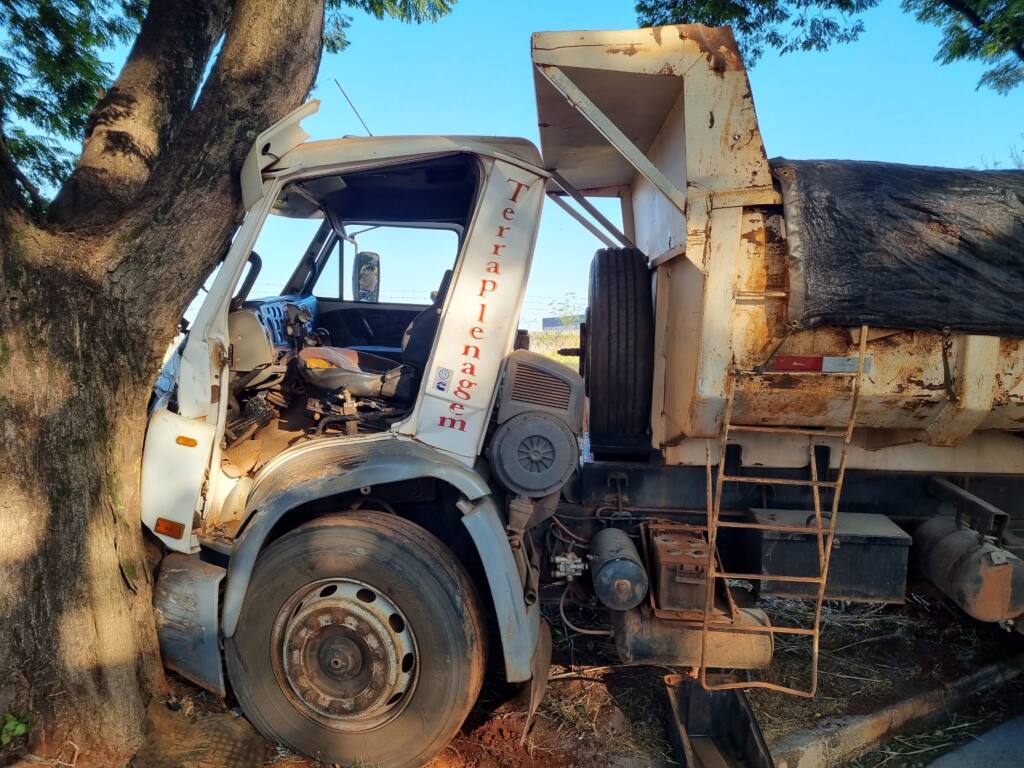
column 11, row 178
column 975, row 20
column 136, row 119
column 185, row 216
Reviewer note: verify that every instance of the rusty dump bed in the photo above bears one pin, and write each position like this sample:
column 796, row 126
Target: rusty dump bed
column 664, row 120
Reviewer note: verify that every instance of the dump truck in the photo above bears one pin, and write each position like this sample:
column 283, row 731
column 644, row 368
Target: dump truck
column 803, row 378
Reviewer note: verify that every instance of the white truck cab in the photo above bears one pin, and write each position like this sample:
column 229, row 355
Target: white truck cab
column 488, row 191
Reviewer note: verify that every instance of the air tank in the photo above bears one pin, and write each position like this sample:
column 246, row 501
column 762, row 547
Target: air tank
column 620, row 579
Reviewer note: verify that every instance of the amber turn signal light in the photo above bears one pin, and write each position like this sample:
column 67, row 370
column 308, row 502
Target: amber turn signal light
column 169, row 528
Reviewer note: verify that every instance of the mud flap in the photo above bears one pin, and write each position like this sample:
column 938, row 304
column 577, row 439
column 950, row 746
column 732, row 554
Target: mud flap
column 539, row 665
column 185, row 600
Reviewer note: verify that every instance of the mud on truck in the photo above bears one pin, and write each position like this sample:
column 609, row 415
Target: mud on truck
column 804, row 377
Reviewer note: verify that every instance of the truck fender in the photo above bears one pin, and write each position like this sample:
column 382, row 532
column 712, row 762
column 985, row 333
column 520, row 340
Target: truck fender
column 331, row 467
column 518, row 622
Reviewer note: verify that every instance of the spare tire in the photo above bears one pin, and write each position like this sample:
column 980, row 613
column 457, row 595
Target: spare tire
column 618, row 351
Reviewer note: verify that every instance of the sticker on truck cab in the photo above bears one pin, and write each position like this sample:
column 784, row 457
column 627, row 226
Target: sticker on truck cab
column 441, row 379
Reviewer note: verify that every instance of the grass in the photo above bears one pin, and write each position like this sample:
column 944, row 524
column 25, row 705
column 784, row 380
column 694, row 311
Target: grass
column 870, row 656
column 609, row 708
column 918, row 747
column 548, row 343
column 610, row 715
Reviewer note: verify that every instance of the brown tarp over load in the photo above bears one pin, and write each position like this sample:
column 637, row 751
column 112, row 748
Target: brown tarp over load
column 904, row 246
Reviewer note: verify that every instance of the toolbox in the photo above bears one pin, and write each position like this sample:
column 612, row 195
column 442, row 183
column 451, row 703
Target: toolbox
column 868, row 562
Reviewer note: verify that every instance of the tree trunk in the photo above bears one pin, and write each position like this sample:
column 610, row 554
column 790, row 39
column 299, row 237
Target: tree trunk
column 77, row 639
column 87, row 308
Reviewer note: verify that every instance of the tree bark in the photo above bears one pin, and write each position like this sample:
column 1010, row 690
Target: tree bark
column 86, row 313
column 77, row 641
column 267, row 65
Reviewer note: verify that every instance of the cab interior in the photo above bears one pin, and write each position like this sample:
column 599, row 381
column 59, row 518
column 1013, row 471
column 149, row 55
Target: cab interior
column 333, row 352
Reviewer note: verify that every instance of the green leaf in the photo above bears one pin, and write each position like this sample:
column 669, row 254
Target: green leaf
column 14, row 727
column 988, row 31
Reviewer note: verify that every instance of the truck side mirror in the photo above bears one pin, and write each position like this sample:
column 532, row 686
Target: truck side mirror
column 366, row 276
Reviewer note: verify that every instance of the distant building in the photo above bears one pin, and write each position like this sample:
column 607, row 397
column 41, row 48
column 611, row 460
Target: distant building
column 564, row 323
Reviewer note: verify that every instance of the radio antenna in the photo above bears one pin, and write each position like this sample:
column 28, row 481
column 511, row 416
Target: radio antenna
column 368, row 133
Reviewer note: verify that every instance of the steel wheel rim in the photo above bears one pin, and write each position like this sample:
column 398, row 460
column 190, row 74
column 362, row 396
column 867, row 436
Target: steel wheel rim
column 344, row 655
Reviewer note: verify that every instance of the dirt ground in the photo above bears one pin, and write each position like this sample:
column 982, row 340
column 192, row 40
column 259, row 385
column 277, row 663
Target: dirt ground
column 601, row 714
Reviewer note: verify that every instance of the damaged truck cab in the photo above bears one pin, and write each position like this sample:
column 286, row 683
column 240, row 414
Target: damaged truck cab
column 274, row 425
column 364, row 501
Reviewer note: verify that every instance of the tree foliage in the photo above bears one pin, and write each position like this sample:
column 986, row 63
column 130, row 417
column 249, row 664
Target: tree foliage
column 51, row 74
column 414, row 11
column 989, row 31
column 53, row 70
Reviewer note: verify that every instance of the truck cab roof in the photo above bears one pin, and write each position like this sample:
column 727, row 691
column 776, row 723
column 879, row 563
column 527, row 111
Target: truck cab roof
column 283, row 149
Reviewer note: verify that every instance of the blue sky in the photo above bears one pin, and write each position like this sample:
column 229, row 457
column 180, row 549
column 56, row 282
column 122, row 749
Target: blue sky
column 882, row 98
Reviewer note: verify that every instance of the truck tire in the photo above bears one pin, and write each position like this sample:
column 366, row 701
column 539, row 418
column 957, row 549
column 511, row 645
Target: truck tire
column 361, row 642
column 618, row 360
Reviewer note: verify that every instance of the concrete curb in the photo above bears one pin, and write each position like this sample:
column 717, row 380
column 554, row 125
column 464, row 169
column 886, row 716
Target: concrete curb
column 833, row 744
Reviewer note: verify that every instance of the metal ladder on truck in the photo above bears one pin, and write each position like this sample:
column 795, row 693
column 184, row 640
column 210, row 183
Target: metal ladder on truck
column 825, row 534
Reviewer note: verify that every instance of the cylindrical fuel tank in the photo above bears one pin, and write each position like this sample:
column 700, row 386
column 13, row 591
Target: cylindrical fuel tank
column 643, row 638
column 620, row 579
column 985, row 580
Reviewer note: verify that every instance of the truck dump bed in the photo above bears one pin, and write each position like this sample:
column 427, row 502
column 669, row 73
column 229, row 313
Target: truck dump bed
column 664, row 120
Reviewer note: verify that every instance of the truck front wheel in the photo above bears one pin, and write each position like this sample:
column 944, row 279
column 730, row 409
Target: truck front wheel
column 361, row 641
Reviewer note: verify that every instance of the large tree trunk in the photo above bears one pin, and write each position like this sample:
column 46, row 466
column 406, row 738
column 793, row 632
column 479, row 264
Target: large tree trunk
column 87, row 307
column 77, row 641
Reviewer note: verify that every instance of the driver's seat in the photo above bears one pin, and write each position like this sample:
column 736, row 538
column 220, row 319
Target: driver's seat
column 365, row 374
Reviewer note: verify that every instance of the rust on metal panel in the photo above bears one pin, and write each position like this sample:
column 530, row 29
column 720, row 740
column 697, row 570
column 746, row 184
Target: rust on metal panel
column 717, row 43
column 905, row 388
column 761, row 287
column 625, row 50
column 793, row 399
column 736, row 312
column 1008, row 381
